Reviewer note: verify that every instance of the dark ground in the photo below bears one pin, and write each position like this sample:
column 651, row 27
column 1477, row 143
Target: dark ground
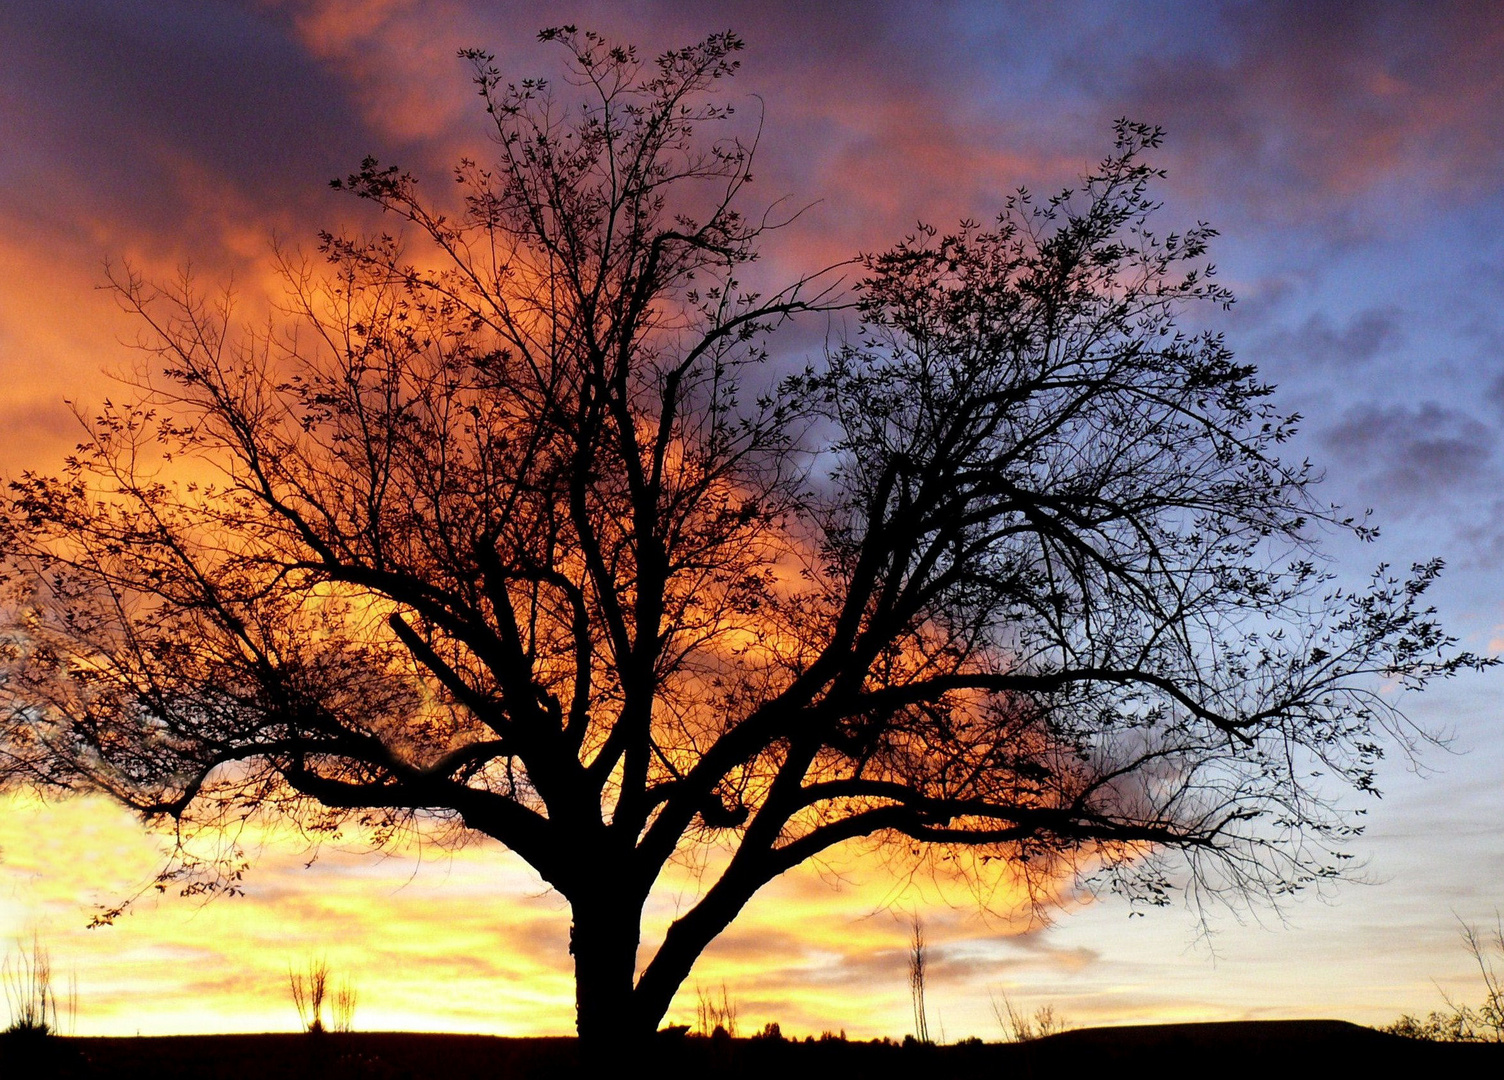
column 1273, row 1050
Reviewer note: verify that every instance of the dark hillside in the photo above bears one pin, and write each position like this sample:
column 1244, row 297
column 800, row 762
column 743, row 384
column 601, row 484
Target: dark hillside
column 1274, row 1050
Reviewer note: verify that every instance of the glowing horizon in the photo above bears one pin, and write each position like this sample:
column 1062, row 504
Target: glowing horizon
column 490, row 941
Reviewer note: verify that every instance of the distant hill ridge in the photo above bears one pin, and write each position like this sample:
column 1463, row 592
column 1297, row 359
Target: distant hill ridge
column 1269, row 1049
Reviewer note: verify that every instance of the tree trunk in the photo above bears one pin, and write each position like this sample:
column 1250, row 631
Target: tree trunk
column 603, row 940
column 689, row 934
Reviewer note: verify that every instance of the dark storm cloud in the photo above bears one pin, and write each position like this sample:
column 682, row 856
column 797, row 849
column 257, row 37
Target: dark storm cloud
column 874, row 124
column 1322, row 341
column 1292, row 110
column 1338, row 116
column 1415, row 455
column 140, row 113
column 1496, row 391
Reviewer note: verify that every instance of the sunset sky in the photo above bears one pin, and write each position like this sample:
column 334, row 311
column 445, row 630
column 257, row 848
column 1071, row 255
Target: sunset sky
column 1352, row 156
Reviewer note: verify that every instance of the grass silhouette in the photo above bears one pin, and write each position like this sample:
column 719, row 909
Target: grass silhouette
column 30, row 995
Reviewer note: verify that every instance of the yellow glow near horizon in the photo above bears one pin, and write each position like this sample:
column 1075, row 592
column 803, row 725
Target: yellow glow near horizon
column 466, row 940
column 472, row 941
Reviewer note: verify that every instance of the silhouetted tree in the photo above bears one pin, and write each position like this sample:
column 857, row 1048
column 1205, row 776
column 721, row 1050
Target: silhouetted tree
column 518, row 531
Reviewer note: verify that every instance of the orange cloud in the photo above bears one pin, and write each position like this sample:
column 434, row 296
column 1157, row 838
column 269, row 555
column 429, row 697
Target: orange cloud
column 397, row 56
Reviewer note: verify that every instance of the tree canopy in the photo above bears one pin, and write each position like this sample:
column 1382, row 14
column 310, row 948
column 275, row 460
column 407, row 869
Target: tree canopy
column 512, row 523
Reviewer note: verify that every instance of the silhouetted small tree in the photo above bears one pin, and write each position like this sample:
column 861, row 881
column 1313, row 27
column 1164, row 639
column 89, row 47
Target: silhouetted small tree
column 308, row 994
column 918, row 962
column 516, row 530
column 1461, row 1022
